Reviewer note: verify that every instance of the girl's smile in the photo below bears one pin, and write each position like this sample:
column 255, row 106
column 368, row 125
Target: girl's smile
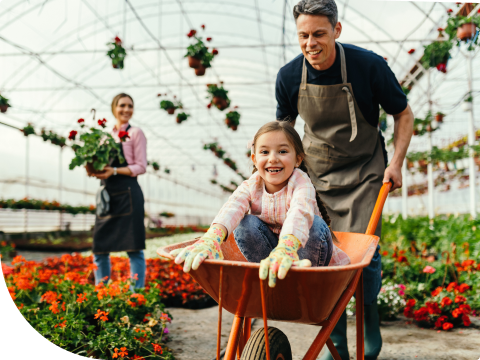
column 275, row 160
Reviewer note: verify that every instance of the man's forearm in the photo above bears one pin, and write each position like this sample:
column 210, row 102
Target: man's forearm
column 402, row 135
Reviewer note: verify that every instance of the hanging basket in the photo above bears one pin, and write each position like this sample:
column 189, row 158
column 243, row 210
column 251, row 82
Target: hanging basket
column 194, row 62
column 439, row 118
column 200, row 71
column 220, row 103
column 466, row 31
column 467, row 106
column 170, row 111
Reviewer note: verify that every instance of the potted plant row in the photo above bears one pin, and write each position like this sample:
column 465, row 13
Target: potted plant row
column 218, row 96
column 4, row 105
column 117, row 53
column 199, row 58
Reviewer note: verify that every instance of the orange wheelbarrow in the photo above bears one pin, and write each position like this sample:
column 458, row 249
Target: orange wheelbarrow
column 312, row 296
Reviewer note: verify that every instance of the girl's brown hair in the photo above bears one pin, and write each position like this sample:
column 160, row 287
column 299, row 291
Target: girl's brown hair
column 294, row 139
column 116, row 99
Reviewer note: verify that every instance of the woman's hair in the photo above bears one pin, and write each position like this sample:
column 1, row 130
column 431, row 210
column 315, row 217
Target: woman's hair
column 116, row 99
column 294, row 139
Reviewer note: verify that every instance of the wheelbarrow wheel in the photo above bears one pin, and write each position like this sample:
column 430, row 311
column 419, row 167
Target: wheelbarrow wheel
column 278, row 341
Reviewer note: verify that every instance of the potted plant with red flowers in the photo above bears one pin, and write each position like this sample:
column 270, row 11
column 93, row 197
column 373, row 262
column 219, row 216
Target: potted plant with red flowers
column 232, row 119
column 439, row 117
column 95, row 148
column 199, row 58
column 4, row 105
column 463, row 28
column 117, row 53
column 218, row 96
column 182, row 117
column 436, row 55
column 28, row 130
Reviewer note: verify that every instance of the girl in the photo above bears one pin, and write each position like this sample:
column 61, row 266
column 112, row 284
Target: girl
column 123, row 229
column 287, row 221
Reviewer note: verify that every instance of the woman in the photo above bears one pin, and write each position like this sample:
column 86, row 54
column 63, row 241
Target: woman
column 122, row 228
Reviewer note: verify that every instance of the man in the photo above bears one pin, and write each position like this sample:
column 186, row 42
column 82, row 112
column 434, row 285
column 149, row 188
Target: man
column 337, row 90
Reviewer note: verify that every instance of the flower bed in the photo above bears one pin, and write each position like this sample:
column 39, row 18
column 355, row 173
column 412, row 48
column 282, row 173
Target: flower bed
column 59, row 299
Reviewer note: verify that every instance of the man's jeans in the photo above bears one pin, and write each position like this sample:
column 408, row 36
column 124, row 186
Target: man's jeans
column 137, row 267
column 255, row 240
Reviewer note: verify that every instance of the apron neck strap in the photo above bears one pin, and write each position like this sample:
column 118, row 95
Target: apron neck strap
column 128, row 127
column 342, row 63
column 303, row 84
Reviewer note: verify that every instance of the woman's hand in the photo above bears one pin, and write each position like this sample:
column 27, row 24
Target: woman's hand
column 107, row 172
column 281, row 260
column 207, row 247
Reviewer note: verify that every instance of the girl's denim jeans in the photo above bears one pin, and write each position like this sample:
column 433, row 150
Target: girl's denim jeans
column 255, row 240
column 137, row 266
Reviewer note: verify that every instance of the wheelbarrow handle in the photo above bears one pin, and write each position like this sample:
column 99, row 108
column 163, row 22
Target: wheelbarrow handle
column 377, row 210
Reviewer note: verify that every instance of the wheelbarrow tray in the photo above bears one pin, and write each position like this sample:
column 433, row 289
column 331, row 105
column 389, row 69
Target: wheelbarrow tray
column 306, row 295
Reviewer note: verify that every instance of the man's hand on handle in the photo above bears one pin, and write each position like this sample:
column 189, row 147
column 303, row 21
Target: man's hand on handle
column 394, row 174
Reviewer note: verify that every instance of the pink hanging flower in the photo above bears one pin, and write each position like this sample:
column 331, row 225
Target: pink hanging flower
column 429, row 270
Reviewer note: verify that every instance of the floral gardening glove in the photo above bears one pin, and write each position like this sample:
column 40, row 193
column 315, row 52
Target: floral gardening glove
column 207, row 247
column 281, row 260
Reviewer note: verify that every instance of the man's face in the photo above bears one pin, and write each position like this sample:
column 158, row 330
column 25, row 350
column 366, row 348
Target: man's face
column 317, row 40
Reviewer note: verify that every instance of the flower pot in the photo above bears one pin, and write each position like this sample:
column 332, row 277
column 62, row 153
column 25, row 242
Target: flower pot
column 439, row 118
column 228, row 122
column 194, row 62
column 179, row 121
column 234, row 127
column 466, row 31
column 467, row 106
column 91, row 170
column 170, row 111
column 220, row 103
column 118, row 65
column 3, row 108
column 200, row 71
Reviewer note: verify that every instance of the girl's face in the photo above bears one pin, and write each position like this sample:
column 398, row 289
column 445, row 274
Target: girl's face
column 124, row 109
column 275, row 160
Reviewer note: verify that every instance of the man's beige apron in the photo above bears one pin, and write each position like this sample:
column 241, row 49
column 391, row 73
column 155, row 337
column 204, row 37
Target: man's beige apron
column 346, row 162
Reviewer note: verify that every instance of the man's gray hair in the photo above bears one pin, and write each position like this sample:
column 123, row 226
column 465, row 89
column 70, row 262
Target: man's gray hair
column 327, row 8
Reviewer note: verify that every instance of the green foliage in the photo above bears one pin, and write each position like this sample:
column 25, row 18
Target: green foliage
column 167, row 104
column 98, row 147
column 234, row 117
column 182, row 116
column 216, row 91
column 4, row 101
column 35, row 204
column 422, row 126
column 28, row 130
column 436, row 53
column 117, row 53
column 54, row 138
column 155, row 166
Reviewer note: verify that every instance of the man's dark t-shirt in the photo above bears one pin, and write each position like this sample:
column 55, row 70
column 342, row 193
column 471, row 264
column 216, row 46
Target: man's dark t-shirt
column 372, row 81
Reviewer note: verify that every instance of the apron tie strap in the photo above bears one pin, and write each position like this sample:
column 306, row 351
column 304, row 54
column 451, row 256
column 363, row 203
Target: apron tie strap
column 303, row 84
column 351, row 107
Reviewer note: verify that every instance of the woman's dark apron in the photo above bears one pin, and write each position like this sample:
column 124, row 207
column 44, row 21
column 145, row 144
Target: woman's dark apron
column 123, row 228
column 346, row 162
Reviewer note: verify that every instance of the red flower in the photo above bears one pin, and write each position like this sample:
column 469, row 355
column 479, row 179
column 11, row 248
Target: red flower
column 468, row 263
column 442, row 67
column 456, row 313
column 215, row 52
column 433, row 308
column 102, row 123
column 192, row 33
column 451, row 286
column 202, row 26
column 449, row 11
column 82, row 298
column 447, row 326
column 437, row 291
column 209, row 105
column 80, row 121
column 440, row 321
column 465, row 308
column 411, row 51
column 407, row 312
column 421, row 314
column 466, row 320
column 460, row 299
column 386, row 59
column 411, row 303
column 209, row 39
column 157, row 348
column 72, row 135
column 123, row 136
column 440, row 29
column 102, row 315
column 118, row 41
column 402, row 259
column 446, row 301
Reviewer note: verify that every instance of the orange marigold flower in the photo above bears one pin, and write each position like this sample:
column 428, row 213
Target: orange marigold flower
column 446, row 301
column 157, row 348
column 437, row 291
